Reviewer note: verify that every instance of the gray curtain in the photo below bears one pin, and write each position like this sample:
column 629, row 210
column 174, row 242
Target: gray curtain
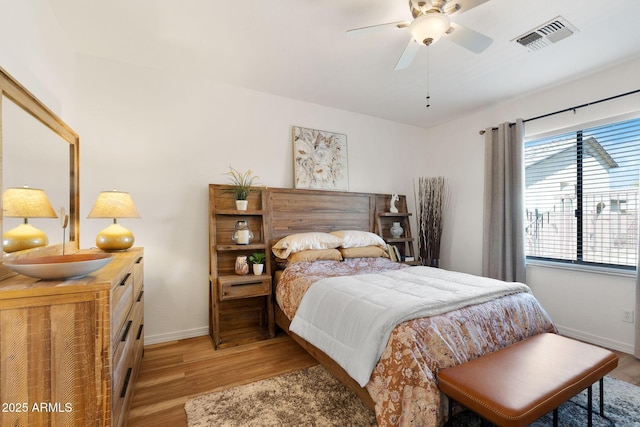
column 503, row 232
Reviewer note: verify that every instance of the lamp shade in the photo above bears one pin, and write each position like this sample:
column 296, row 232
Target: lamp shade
column 428, row 28
column 26, row 202
column 114, row 204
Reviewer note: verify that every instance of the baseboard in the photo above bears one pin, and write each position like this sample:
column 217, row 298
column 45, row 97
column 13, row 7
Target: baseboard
column 569, row 332
column 596, row 340
column 175, row 336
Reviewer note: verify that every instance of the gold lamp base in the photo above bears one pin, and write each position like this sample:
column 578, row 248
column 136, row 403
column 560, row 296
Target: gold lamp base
column 24, row 236
column 114, row 238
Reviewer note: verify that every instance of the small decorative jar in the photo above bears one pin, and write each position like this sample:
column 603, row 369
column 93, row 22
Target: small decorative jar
column 396, row 230
column 242, row 235
column 242, row 266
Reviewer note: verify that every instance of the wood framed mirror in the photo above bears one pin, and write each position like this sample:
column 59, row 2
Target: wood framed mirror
column 40, row 150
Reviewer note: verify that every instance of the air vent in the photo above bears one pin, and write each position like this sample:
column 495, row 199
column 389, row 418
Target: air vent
column 552, row 32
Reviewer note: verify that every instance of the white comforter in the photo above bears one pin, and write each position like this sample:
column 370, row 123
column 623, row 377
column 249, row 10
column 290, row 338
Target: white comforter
column 350, row 318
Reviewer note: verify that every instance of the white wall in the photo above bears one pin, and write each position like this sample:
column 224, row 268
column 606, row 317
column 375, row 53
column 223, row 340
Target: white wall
column 584, row 305
column 164, row 138
column 34, row 51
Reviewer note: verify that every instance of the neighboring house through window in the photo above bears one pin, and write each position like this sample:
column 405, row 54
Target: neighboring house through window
column 581, row 195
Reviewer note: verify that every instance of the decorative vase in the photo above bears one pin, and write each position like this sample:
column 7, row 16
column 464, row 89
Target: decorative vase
column 242, row 235
column 242, row 205
column 242, row 267
column 396, row 230
column 257, row 269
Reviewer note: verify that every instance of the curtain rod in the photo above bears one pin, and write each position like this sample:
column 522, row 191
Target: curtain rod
column 482, row 132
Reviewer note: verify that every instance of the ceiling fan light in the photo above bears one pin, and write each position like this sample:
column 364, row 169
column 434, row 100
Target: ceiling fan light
column 428, row 28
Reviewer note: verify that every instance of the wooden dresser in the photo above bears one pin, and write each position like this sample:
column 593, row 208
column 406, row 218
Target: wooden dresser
column 70, row 350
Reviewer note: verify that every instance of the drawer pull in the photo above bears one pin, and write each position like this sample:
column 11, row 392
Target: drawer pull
column 124, row 281
column 126, row 330
column 140, row 296
column 139, row 332
column 123, row 393
column 139, row 260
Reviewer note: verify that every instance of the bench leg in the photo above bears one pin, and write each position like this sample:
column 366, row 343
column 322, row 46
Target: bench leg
column 602, row 397
column 589, row 403
column 555, row 417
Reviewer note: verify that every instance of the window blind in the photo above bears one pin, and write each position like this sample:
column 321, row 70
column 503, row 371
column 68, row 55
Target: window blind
column 581, row 195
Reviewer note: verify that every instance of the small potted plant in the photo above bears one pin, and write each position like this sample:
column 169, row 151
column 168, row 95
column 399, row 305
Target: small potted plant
column 257, row 259
column 241, row 183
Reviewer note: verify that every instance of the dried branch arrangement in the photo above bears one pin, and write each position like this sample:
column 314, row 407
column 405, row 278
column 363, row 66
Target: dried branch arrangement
column 432, row 202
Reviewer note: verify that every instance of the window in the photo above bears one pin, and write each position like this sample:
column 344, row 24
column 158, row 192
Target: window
column 581, row 195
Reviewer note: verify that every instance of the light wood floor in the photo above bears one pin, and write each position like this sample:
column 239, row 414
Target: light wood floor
column 171, row 373
column 174, row 372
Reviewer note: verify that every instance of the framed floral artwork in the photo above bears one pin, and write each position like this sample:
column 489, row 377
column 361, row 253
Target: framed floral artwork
column 320, row 159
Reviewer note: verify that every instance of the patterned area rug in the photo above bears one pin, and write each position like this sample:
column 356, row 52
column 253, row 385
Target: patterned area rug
column 313, row 397
column 309, row 397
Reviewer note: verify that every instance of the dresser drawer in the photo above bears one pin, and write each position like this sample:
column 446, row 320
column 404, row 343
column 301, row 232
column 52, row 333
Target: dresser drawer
column 138, row 276
column 255, row 288
column 120, row 400
column 137, row 314
column 121, row 300
column 122, row 355
column 124, row 361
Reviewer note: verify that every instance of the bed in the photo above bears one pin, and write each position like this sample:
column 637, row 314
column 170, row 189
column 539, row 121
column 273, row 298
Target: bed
column 402, row 388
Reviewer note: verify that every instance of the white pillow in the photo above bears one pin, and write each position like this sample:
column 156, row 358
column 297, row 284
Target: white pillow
column 304, row 241
column 358, row 239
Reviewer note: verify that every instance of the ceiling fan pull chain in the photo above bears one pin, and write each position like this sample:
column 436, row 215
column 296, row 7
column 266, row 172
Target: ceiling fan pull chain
column 428, row 91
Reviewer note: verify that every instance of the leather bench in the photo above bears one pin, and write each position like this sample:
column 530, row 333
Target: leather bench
column 520, row 383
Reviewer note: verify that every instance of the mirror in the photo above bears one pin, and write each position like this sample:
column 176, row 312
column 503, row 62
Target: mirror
column 41, row 151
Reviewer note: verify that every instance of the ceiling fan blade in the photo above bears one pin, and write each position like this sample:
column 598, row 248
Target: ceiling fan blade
column 456, row 7
column 407, row 56
column 468, row 38
column 375, row 28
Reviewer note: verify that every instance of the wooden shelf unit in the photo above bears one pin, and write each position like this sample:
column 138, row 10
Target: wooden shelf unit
column 240, row 306
column 385, row 219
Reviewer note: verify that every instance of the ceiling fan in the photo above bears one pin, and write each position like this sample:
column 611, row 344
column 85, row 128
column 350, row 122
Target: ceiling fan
column 431, row 21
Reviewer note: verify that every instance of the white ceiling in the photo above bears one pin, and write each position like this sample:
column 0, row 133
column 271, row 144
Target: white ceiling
column 298, row 48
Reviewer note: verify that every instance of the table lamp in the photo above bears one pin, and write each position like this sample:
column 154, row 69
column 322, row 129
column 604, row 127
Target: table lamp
column 114, row 204
column 25, row 203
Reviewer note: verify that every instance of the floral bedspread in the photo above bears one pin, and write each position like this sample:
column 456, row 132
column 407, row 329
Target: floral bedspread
column 297, row 277
column 403, row 384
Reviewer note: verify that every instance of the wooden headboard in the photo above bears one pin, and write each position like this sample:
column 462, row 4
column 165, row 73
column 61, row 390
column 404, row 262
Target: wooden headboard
column 297, row 211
